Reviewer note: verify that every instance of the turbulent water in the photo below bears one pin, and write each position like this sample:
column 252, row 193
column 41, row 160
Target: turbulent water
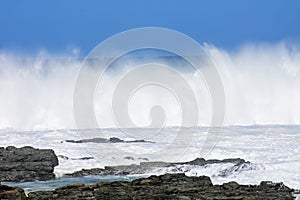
column 273, row 150
column 261, row 85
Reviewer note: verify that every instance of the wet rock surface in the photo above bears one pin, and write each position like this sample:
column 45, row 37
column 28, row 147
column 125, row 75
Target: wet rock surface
column 13, row 193
column 26, row 164
column 146, row 167
column 168, row 186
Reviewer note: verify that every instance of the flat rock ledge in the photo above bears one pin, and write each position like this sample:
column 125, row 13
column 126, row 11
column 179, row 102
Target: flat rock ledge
column 168, row 186
column 26, row 164
column 146, row 167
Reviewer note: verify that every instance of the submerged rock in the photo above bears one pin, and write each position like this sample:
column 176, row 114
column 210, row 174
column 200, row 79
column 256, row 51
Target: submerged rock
column 168, row 186
column 26, row 164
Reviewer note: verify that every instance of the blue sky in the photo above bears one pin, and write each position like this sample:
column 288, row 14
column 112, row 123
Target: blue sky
column 61, row 25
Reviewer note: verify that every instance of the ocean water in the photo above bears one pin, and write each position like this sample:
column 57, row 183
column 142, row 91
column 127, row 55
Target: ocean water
column 52, row 184
column 274, row 151
column 261, row 85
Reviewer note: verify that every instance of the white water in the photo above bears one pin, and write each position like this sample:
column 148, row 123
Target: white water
column 262, row 84
column 273, row 150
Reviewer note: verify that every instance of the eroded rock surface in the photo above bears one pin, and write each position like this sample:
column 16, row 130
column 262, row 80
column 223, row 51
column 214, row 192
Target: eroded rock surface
column 168, row 186
column 26, row 164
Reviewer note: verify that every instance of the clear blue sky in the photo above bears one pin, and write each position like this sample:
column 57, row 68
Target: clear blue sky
column 57, row 25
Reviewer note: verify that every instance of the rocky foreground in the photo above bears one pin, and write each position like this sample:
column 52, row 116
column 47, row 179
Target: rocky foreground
column 26, row 164
column 168, row 186
column 29, row 164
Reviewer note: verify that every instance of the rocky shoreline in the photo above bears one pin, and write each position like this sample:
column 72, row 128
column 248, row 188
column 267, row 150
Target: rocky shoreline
column 168, row 186
column 148, row 167
column 29, row 164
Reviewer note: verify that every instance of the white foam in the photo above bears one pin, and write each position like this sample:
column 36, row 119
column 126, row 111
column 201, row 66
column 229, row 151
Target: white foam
column 262, row 84
column 274, row 151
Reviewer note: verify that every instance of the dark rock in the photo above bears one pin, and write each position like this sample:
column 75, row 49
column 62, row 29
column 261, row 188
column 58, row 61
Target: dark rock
column 67, row 158
column 145, row 159
column 198, row 161
column 270, row 186
column 202, row 161
column 83, row 158
column 115, row 140
column 27, row 164
column 11, row 193
column 230, row 185
column 128, row 158
column 168, row 186
column 145, row 141
column 147, row 167
column 63, row 157
column 110, row 140
column 93, row 140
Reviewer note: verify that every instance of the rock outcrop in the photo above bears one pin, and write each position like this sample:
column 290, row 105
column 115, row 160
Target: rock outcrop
column 11, row 193
column 168, row 186
column 26, row 164
column 147, row 167
column 110, row 140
